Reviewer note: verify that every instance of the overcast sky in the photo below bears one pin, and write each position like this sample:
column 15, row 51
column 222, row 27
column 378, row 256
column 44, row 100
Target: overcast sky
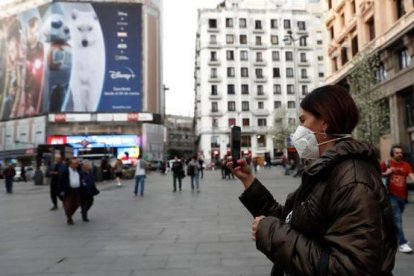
column 180, row 25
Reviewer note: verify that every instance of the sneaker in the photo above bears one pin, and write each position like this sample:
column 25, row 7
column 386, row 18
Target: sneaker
column 54, row 208
column 405, row 248
column 70, row 221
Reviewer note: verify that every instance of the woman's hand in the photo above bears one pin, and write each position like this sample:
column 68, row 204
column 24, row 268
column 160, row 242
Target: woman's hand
column 242, row 171
column 255, row 224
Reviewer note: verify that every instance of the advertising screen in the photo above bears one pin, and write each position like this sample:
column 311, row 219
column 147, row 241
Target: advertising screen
column 71, row 57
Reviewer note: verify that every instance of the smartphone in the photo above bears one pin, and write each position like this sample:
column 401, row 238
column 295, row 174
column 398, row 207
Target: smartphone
column 235, row 144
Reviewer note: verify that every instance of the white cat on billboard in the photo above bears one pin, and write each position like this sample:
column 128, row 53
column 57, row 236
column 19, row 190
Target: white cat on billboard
column 88, row 64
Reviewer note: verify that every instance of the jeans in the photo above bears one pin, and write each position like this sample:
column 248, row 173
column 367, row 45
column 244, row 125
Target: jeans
column 195, row 183
column 175, row 177
column 9, row 185
column 139, row 179
column 398, row 206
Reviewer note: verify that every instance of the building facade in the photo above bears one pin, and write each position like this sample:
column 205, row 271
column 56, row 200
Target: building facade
column 253, row 59
column 84, row 73
column 387, row 28
column 180, row 136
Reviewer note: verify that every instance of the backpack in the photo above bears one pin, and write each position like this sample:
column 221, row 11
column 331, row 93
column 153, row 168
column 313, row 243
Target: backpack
column 190, row 170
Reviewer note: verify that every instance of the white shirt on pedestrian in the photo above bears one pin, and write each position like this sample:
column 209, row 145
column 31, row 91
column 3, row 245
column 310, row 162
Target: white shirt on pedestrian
column 74, row 180
column 138, row 169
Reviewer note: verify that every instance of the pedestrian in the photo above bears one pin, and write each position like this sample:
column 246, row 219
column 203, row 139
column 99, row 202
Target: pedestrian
column 118, row 172
column 8, row 175
column 69, row 190
column 87, row 189
column 193, row 170
column 54, row 172
column 140, row 177
column 23, row 173
column 178, row 171
column 396, row 171
column 201, row 162
column 339, row 220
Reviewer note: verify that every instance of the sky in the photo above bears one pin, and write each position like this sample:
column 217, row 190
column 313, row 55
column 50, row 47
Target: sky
column 179, row 34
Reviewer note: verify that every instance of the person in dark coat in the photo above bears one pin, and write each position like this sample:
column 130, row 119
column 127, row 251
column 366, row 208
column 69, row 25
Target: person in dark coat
column 69, row 189
column 54, row 172
column 87, row 189
column 178, row 172
column 339, row 221
column 8, row 175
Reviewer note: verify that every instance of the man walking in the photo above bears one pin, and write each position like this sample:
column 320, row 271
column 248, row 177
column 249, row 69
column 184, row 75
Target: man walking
column 140, row 176
column 54, row 173
column 193, row 170
column 9, row 174
column 70, row 189
column 396, row 171
column 178, row 171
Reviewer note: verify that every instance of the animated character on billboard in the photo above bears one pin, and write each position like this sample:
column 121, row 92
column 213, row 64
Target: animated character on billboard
column 14, row 71
column 88, row 60
column 59, row 62
column 34, row 67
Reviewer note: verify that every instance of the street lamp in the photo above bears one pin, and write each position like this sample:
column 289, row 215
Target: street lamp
column 291, row 39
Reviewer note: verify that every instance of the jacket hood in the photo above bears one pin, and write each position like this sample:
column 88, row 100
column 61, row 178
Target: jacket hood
column 343, row 150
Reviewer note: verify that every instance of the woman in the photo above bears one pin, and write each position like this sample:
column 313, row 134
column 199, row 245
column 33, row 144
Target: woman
column 87, row 189
column 338, row 221
column 118, row 172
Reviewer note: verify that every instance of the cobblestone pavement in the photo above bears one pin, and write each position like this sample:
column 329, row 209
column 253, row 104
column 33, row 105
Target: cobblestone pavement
column 163, row 233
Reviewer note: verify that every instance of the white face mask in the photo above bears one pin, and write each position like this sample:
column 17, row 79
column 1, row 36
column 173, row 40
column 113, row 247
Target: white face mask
column 306, row 144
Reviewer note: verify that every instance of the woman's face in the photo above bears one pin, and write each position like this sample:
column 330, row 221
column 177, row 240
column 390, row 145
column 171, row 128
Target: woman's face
column 309, row 121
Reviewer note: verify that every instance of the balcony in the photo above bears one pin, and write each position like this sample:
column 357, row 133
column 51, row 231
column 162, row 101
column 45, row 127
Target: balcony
column 217, row 96
column 260, row 129
column 260, row 62
column 304, row 79
column 213, row 45
column 213, row 29
column 216, row 113
column 260, row 46
column 261, row 96
column 214, row 62
column 259, row 30
column 260, row 112
column 260, row 79
column 302, row 62
column 214, row 79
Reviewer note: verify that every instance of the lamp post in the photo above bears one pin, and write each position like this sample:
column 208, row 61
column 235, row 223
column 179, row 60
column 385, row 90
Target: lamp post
column 292, row 40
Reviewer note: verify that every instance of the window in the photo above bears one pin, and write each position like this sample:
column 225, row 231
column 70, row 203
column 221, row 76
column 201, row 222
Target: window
column 260, row 105
column 302, row 41
column 229, row 39
column 230, row 55
column 214, row 122
column 353, row 7
column 331, row 32
column 258, row 40
column 320, row 58
column 230, row 72
column 319, row 38
column 229, row 22
column 246, row 140
column 261, row 140
column 304, row 90
column 303, row 57
column 214, row 107
column 275, row 56
column 291, row 104
column 243, row 39
column 334, row 64
column 404, row 58
column 244, row 72
column 304, row 73
column 400, row 8
column 245, row 89
column 301, row 25
column 290, row 89
column 232, row 122
column 231, row 106
column 213, row 39
column 371, row 28
column 230, row 89
column 242, row 23
column 291, row 121
column 215, row 142
column 244, row 55
column 245, row 106
column 214, row 90
column 380, row 73
column 214, row 72
column 277, row 104
column 354, row 45
column 213, row 56
column 344, row 55
column 212, row 23
column 246, row 122
column 274, row 39
column 259, row 56
column 258, row 24
column 286, row 24
column 288, row 56
column 273, row 23
column 276, row 72
column 260, row 90
column 289, row 72
column 342, row 19
column 277, row 89
column 261, row 122
column 259, row 73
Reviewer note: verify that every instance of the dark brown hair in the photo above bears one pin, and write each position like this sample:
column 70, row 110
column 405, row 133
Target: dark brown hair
column 335, row 105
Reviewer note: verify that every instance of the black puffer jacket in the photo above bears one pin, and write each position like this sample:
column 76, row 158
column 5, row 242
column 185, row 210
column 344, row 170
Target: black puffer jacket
column 340, row 211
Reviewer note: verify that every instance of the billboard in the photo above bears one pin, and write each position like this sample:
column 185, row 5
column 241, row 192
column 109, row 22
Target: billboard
column 71, row 57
